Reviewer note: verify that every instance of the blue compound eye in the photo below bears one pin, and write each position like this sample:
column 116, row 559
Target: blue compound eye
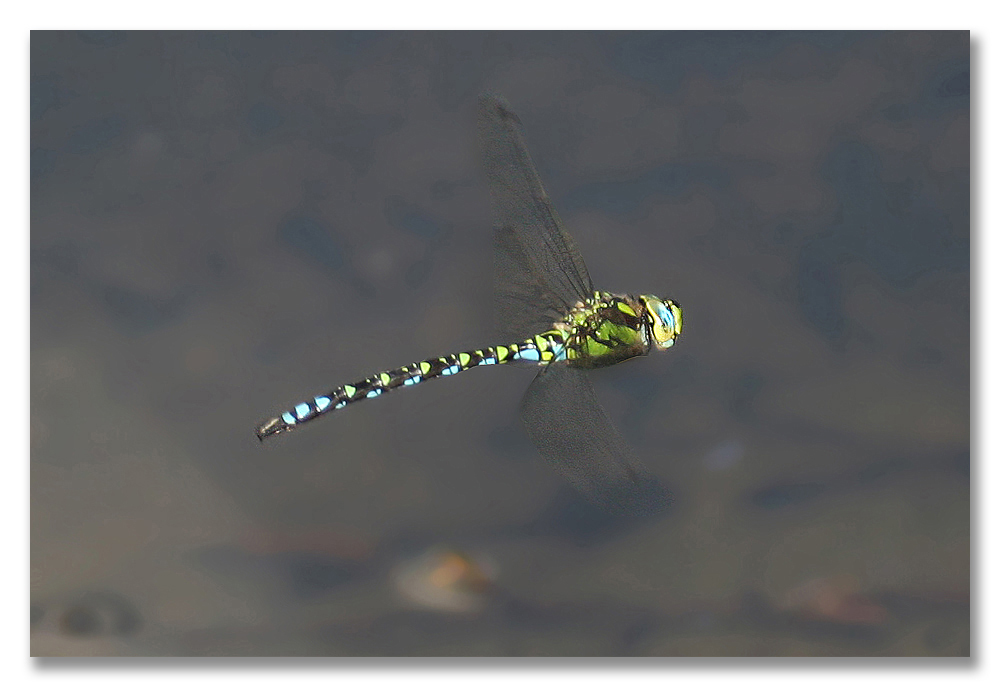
column 666, row 316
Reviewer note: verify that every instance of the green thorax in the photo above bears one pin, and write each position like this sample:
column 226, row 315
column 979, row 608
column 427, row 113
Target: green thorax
column 605, row 330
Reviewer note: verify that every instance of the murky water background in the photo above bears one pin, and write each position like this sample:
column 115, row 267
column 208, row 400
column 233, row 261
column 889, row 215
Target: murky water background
column 225, row 223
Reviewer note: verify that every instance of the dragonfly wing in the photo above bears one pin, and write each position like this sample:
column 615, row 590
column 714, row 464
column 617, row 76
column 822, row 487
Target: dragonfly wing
column 539, row 273
column 566, row 422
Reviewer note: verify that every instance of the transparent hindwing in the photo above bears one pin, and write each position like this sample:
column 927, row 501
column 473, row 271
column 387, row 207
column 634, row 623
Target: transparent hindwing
column 566, row 422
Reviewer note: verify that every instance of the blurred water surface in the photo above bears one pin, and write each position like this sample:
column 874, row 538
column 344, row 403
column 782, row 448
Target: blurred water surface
column 224, row 223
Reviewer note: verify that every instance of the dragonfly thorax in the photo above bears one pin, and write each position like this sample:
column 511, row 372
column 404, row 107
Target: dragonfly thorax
column 607, row 329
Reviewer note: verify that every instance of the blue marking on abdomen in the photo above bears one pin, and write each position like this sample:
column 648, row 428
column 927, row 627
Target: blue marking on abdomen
column 413, row 380
column 373, row 393
column 528, row 354
column 322, row 402
column 450, row 370
column 288, row 418
column 301, row 410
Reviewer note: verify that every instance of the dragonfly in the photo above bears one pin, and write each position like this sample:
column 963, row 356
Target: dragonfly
column 552, row 317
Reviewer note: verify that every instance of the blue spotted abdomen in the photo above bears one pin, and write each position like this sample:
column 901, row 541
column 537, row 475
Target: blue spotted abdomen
column 541, row 349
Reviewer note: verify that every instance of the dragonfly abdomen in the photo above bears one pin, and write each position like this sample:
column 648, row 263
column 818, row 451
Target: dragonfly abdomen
column 540, row 349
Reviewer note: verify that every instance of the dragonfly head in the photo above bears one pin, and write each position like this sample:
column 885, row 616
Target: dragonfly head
column 664, row 320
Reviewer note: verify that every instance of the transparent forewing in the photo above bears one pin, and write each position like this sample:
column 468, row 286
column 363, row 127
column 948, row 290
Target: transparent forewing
column 523, row 302
column 539, row 274
column 566, row 422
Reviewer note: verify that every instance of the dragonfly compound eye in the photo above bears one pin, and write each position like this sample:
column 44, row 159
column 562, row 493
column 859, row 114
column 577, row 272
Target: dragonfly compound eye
column 665, row 317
